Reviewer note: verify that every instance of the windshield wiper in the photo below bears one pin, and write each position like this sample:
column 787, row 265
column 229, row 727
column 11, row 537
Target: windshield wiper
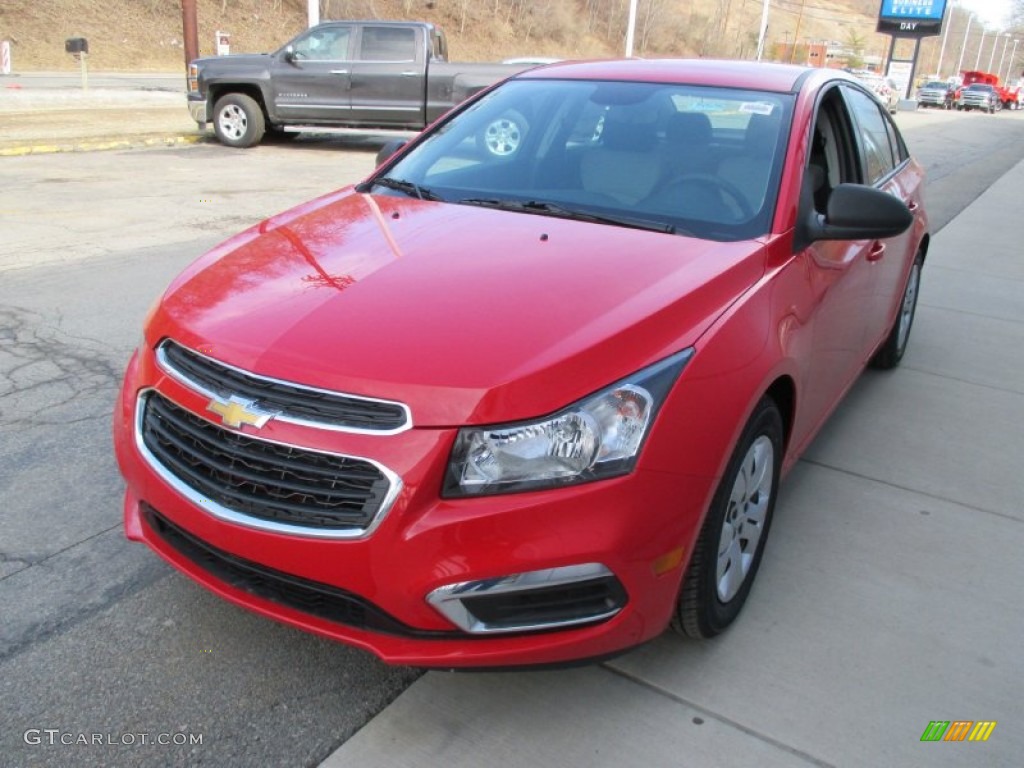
column 410, row 188
column 553, row 209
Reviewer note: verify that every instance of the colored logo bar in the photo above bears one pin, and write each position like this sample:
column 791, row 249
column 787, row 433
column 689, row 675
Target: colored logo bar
column 958, row 730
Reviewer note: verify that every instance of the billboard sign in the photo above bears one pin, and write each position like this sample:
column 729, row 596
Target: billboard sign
column 911, row 18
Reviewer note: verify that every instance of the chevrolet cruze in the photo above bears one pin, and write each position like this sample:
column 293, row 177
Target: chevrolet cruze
column 525, row 394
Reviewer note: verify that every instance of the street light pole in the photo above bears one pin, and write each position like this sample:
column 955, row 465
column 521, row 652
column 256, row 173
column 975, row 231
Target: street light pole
column 981, row 44
column 764, row 30
column 963, row 48
column 1002, row 58
column 1009, row 64
column 992, row 58
column 945, row 35
column 630, row 28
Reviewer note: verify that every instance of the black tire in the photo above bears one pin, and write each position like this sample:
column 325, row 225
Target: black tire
column 701, row 611
column 895, row 344
column 238, row 120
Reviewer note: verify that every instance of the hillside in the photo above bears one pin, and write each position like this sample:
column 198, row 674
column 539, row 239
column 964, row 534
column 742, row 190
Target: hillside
column 147, row 34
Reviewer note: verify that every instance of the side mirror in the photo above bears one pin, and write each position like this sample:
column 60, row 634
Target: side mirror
column 289, row 54
column 856, row 212
column 385, row 152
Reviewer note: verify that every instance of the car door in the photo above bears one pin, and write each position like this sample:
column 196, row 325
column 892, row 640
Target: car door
column 886, row 165
column 310, row 78
column 388, row 80
column 840, row 276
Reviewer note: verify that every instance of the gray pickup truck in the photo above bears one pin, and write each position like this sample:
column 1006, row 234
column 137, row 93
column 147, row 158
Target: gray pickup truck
column 340, row 74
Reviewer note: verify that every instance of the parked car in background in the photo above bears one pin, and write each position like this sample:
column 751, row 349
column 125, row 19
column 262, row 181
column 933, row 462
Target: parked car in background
column 936, row 93
column 981, row 96
column 528, row 398
column 339, row 74
column 884, row 88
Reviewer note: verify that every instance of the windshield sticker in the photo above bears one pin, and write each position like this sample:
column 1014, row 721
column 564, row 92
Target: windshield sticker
column 757, row 108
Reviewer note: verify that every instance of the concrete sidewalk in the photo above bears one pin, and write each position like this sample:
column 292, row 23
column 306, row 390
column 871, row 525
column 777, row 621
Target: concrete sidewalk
column 889, row 595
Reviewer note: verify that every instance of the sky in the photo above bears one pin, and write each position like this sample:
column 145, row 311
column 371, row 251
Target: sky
column 994, row 13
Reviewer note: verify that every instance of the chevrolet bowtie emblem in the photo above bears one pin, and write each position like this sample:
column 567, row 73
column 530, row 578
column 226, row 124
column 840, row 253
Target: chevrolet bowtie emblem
column 236, row 411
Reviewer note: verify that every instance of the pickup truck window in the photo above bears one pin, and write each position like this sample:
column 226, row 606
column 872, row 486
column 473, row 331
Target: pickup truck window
column 388, row 44
column 324, row 44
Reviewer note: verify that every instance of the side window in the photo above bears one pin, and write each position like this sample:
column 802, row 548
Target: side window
column 324, row 44
column 388, row 44
column 833, row 156
column 879, row 159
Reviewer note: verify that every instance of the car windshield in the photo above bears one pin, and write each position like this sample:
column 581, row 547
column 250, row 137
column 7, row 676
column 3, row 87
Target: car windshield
column 936, row 85
column 687, row 159
column 979, row 87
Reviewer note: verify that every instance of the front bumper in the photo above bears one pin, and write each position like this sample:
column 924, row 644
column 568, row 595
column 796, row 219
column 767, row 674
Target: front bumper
column 374, row 592
column 197, row 108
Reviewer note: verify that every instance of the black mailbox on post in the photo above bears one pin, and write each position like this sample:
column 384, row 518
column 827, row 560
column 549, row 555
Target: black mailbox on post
column 76, row 45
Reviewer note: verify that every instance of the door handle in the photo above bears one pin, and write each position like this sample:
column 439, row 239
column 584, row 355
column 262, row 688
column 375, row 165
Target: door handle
column 877, row 251
column 339, row 71
column 410, row 73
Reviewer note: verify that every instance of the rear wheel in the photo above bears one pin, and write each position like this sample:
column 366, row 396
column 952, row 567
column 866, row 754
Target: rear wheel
column 238, row 120
column 891, row 352
column 731, row 543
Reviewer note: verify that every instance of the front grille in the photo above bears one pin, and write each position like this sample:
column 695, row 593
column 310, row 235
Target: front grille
column 559, row 604
column 281, row 485
column 293, row 402
column 310, row 597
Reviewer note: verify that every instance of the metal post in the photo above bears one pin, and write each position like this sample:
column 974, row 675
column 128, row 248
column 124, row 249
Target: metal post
column 992, row 58
column 913, row 69
column 963, row 48
column 313, row 12
column 84, row 66
column 981, row 44
column 630, row 28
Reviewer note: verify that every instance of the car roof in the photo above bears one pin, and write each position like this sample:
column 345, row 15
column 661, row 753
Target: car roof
column 762, row 76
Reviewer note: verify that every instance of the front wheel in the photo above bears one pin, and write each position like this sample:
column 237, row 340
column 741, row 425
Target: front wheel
column 238, row 120
column 892, row 349
column 731, row 543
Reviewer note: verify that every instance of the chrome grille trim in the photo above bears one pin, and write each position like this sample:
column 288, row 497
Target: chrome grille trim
column 233, row 516
column 184, row 378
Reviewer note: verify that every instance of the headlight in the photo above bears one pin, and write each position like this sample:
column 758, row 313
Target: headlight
column 598, row 437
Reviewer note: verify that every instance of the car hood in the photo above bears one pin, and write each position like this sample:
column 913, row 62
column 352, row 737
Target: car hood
column 467, row 315
column 235, row 62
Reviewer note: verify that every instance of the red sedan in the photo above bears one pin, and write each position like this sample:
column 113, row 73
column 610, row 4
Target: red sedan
column 525, row 395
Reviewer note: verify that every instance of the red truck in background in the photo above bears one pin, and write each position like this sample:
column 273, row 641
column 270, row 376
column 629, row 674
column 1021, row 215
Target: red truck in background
column 1010, row 97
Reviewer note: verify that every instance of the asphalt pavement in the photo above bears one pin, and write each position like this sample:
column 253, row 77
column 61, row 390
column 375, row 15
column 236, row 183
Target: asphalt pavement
column 889, row 594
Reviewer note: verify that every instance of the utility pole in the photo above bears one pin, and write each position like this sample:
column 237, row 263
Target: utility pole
column 190, row 30
column 796, row 34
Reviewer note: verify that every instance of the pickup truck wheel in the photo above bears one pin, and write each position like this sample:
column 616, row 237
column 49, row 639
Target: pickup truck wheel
column 891, row 352
column 238, row 120
column 729, row 547
column 503, row 136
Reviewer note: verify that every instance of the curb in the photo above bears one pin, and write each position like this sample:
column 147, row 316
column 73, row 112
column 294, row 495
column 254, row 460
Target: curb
column 96, row 146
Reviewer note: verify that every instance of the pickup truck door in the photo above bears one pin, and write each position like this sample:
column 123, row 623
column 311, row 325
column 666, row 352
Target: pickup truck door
column 310, row 78
column 389, row 77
